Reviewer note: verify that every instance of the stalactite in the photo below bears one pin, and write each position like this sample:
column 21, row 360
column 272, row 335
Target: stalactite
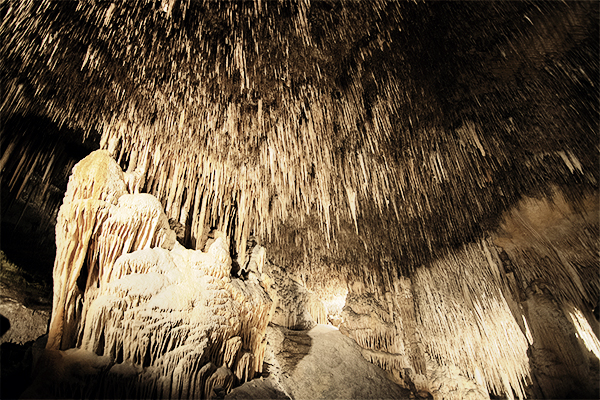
column 461, row 293
column 546, row 256
column 452, row 313
column 534, row 235
column 346, row 146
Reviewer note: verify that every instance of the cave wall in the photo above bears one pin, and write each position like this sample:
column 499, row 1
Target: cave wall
column 549, row 251
column 509, row 315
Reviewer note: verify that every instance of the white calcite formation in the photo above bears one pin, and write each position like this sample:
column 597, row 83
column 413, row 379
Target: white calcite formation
column 549, row 259
column 439, row 336
column 172, row 321
column 466, row 322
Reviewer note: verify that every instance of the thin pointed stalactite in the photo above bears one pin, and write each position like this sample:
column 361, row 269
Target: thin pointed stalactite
column 279, row 111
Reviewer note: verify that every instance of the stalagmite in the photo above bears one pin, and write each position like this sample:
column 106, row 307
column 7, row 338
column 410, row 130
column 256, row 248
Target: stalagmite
column 150, row 305
column 93, row 190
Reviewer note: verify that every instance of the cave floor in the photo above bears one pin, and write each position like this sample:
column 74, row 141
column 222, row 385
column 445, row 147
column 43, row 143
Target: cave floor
column 320, row 363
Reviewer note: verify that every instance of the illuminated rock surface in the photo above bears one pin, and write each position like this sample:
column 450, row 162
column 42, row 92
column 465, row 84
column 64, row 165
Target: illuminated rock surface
column 493, row 316
column 21, row 324
column 138, row 315
column 24, row 306
column 156, row 321
column 294, row 306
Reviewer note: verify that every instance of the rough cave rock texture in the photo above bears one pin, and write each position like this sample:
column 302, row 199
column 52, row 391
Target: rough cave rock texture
column 508, row 315
column 548, row 249
column 435, row 160
column 294, row 306
column 390, row 118
column 24, row 323
column 160, row 319
column 24, row 304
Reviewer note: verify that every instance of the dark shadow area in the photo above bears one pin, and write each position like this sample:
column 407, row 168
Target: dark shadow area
column 15, row 372
column 31, row 290
column 26, row 242
column 38, row 156
column 296, row 345
column 4, row 325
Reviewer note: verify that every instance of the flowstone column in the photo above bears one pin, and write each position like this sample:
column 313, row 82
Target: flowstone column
column 165, row 320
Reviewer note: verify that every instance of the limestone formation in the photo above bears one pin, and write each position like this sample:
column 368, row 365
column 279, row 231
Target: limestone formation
column 168, row 321
column 319, row 363
column 484, row 321
column 549, row 259
column 294, row 307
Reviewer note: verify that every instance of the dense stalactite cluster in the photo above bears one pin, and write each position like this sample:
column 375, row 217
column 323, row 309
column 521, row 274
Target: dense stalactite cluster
column 259, row 111
column 505, row 314
column 563, row 241
column 463, row 293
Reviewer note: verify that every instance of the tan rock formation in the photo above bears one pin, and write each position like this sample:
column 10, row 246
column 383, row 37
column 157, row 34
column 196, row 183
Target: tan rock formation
column 506, row 315
column 435, row 163
column 24, row 323
column 294, row 307
column 320, row 363
column 171, row 321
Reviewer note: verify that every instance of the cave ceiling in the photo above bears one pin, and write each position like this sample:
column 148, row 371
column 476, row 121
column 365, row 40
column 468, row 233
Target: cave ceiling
column 339, row 130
